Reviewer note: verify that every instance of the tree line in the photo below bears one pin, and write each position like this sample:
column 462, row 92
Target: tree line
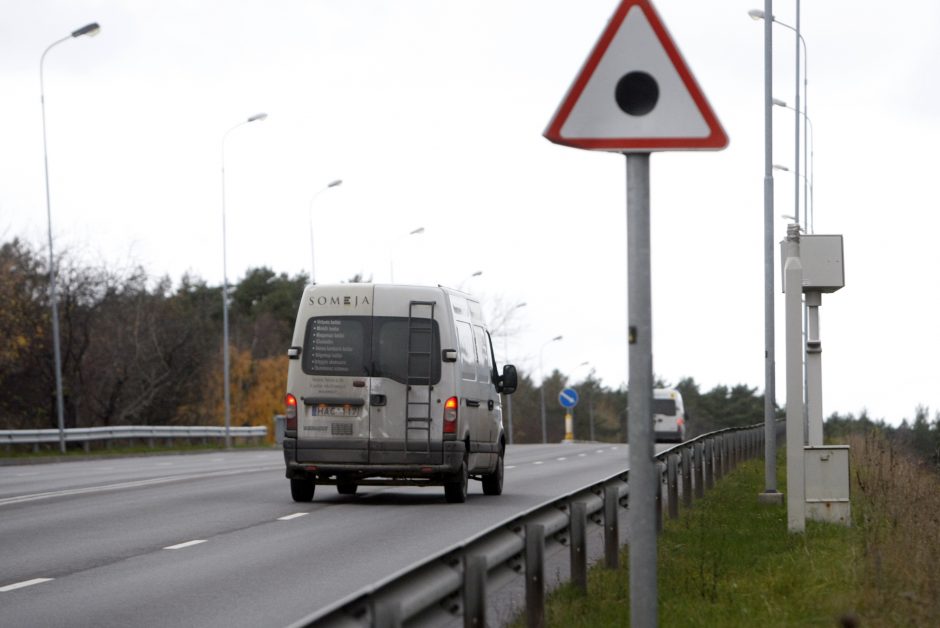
column 139, row 350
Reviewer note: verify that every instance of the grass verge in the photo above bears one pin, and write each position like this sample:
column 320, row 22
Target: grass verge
column 730, row 561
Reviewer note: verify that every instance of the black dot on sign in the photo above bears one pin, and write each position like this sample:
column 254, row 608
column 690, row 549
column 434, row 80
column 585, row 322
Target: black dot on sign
column 637, row 93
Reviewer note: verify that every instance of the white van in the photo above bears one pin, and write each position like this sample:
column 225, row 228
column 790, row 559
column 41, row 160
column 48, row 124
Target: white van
column 668, row 415
column 393, row 385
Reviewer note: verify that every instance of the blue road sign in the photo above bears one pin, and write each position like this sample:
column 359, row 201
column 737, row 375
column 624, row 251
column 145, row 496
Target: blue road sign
column 568, row 398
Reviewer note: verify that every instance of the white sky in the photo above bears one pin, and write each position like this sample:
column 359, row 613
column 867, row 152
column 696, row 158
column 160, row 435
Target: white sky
column 432, row 113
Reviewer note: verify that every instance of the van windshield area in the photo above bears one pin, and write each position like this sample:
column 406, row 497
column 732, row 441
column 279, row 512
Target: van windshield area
column 664, row 406
column 380, row 346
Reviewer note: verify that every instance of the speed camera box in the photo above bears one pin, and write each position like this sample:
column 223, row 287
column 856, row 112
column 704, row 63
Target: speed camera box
column 822, row 261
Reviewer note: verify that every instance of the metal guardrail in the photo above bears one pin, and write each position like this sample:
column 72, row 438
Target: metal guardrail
column 453, row 582
column 126, row 432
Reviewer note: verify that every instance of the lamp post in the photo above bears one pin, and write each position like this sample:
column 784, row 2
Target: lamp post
column 331, row 184
column 542, row 385
column 770, row 493
column 761, row 15
column 468, row 278
column 590, row 404
column 809, row 142
column 91, row 30
column 506, row 361
column 391, row 253
column 225, row 352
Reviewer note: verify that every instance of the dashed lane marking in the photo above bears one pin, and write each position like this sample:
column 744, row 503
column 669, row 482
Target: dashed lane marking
column 185, row 545
column 537, row 462
column 509, row 466
column 25, row 583
column 293, row 516
column 560, row 459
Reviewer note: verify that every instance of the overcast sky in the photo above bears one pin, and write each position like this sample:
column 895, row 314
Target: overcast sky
column 432, row 114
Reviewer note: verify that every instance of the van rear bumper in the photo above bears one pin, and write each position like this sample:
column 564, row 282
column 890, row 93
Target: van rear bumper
column 668, row 436
column 329, row 465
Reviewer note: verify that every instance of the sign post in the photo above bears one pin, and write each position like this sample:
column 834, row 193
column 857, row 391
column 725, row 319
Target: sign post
column 568, row 398
column 635, row 95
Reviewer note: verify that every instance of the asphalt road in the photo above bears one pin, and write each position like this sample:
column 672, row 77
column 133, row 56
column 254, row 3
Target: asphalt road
column 215, row 539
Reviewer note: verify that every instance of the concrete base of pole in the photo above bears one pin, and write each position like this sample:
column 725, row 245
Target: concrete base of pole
column 770, row 498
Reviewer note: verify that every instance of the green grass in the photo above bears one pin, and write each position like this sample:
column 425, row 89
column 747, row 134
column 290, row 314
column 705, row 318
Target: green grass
column 729, row 561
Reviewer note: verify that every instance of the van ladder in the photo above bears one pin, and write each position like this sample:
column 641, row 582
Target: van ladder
column 418, row 393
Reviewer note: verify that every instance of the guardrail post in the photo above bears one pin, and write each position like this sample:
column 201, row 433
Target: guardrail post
column 535, row 575
column 710, row 463
column 672, row 485
column 660, row 478
column 687, row 477
column 699, row 455
column 577, row 529
column 611, row 527
column 719, row 457
column 387, row 614
column 474, row 591
column 87, row 446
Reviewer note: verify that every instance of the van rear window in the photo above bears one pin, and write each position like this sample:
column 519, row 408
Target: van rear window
column 378, row 346
column 664, row 406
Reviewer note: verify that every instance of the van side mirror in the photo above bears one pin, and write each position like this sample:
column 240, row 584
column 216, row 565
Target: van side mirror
column 509, row 381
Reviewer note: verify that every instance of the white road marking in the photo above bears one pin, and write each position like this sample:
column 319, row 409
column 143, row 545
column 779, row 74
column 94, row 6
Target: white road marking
column 509, row 466
column 164, row 464
column 581, row 455
column 134, row 484
column 26, row 475
column 293, row 516
column 537, row 462
column 599, row 451
column 25, row 583
column 186, row 544
column 560, row 459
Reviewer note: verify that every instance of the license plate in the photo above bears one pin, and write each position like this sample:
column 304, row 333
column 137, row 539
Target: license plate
column 334, row 411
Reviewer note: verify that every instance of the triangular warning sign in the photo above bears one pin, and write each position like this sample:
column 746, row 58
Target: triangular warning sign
column 635, row 93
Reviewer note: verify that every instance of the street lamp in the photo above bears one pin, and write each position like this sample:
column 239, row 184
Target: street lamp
column 770, row 397
column 809, row 213
column 760, row 15
column 331, row 184
column 590, row 401
column 91, row 30
column 258, row 117
column 506, row 361
column 542, row 385
column 391, row 253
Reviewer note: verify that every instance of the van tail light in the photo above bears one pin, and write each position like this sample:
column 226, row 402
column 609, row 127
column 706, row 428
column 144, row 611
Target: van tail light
column 450, row 415
column 290, row 412
column 680, row 421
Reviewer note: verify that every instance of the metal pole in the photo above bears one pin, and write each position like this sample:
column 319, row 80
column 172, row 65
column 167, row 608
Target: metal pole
column 643, row 472
column 225, row 348
column 793, row 278
column 814, row 370
column 53, row 296
column 770, row 396
column 225, row 355
column 508, row 397
column 796, row 135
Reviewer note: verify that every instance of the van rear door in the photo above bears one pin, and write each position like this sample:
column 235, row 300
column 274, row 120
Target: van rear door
column 334, row 413
column 407, row 413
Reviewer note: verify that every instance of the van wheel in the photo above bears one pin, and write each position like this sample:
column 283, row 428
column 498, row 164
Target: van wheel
column 493, row 482
column 347, row 488
column 455, row 490
column 302, row 490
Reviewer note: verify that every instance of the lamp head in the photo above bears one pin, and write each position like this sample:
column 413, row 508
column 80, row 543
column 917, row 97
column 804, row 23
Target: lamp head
column 417, row 231
column 778, row 102
column 556, row 338
column 88, row 29
column 258, row 117
column 333, row 184
column 756, row 14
